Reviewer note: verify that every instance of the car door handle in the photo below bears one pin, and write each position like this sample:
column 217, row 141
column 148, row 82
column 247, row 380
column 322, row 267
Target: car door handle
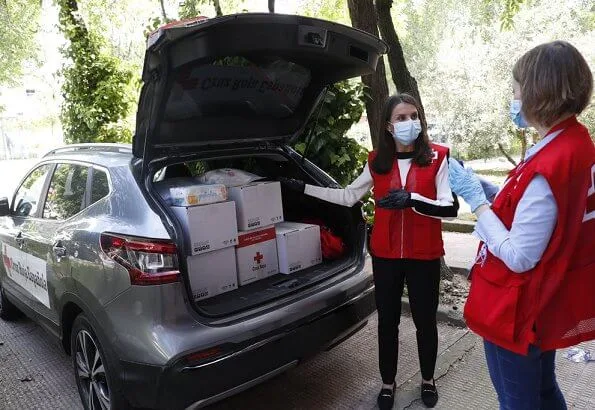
column 20, row 240
column 59, row 250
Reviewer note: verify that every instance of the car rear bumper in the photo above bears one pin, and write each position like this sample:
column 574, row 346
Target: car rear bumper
column 182, row 385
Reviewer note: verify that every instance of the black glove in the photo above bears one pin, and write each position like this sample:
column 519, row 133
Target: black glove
column 396, row 199
column 293, row 184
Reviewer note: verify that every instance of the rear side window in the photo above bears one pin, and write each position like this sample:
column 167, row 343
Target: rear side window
column 99, row 186
column 29, row 193
column 66, row 194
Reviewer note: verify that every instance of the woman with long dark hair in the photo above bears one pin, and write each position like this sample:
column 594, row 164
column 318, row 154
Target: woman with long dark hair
column 409, row 176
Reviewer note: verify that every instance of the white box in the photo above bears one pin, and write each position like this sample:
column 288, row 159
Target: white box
column 209, row 227
column 212, row 273
column 190, row 192
column 298, row 246
column 256, row 254
column 257, row 204
column 197, row 194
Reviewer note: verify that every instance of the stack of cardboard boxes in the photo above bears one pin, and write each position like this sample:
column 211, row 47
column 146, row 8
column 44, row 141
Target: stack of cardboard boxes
column 259, row 208
column 242, row 238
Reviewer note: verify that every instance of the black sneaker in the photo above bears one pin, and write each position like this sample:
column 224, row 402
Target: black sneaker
column 429, row 394
column 386, row 398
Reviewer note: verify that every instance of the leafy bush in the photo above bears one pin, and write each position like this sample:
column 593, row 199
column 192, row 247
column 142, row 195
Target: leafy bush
column 97, row 89
column 324, row 141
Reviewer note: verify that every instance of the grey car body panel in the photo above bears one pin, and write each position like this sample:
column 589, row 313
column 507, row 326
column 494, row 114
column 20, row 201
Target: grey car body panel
column 165, row 329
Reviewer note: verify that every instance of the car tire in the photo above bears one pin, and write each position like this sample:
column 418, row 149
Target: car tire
column 8, row 311
column 97, row 384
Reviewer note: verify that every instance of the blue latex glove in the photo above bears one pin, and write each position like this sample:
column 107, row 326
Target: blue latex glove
column 488, row 188
column 465, row 184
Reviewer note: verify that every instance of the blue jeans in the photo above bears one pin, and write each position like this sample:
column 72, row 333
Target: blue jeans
column 524, row 382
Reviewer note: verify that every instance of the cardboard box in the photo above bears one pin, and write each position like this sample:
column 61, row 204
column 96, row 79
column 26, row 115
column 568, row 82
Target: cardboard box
column 256, row 255
column 212, row 273
column 298, row 246
column 258, row 204
column 209, row 227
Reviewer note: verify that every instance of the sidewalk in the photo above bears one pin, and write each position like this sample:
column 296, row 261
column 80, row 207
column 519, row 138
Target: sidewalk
column 460, row 249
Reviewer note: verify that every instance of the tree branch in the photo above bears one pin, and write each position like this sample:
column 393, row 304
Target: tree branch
column 402, row 78
column 218, row 10
column 163, row 13
column 506, row 154
column 364, row 17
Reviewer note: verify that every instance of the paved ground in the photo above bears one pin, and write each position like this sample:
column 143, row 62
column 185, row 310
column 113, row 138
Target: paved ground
column 344, row 378
column 460, row 249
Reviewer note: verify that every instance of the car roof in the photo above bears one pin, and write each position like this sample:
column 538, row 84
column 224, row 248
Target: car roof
column 106, row 155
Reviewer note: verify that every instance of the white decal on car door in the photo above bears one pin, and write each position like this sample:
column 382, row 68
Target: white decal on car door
column 28, row 271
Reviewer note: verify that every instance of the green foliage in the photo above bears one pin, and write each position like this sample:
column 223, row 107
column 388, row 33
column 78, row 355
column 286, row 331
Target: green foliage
column 97, row 87
column 329, row 148
column 511, row 8
column 189, row 8
column 463, row 62
column 333, row 10
column 20, row 19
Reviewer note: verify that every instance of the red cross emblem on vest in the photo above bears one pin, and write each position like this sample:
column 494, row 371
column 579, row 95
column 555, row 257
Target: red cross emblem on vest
column 259, row 257
column 590, row 211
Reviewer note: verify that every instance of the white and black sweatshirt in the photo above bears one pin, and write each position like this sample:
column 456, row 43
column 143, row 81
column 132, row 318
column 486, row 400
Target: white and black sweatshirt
column 445, row 206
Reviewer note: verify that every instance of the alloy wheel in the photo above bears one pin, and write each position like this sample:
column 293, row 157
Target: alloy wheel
column 90, row 371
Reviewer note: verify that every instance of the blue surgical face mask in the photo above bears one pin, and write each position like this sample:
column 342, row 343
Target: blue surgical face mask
column 516, row 115
column 406, row 132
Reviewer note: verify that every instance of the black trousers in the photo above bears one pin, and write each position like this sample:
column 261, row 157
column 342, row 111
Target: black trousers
column 423, row 286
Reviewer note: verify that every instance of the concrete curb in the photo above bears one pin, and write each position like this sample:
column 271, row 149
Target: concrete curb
column 458, row 226
column 444, row 314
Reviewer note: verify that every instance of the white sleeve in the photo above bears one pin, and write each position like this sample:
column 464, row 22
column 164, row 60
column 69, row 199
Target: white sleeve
column 534, row 221
column 347, row 196
column 443, row 192
column 444, row 206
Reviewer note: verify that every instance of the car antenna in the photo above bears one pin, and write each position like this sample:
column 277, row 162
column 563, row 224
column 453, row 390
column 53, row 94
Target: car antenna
column 309, row 137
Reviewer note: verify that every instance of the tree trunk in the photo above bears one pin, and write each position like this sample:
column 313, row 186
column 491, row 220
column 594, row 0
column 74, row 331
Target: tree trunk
column 218, row 10
column 363, row 17
column 445, row 271
column 271, row 6
column 403, row 80
column 163, row 13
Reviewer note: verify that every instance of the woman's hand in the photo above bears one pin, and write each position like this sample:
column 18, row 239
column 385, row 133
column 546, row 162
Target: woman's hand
column 396, row 199
column 465, row 184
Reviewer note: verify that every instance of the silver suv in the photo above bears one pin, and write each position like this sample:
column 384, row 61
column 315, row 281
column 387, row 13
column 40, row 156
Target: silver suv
column 95, row 255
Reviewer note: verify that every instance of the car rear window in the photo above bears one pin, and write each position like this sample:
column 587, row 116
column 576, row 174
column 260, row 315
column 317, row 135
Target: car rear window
column 99, row 186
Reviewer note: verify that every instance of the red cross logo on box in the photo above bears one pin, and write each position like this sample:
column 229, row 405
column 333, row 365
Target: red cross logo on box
column 258, row 258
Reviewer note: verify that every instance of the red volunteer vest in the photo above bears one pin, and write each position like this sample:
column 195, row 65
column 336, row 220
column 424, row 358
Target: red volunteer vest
column 405, row 234
column 552, row 305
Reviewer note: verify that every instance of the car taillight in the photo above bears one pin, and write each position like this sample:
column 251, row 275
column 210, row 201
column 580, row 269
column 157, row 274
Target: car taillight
column 149, row 261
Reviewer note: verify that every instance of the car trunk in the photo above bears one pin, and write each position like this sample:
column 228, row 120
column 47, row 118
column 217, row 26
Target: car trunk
column 347, row 223
column 236, row 83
